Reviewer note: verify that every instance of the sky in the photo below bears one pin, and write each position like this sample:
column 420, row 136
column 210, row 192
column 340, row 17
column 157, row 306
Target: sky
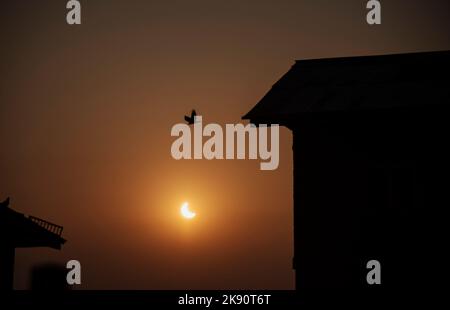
column 86, row 113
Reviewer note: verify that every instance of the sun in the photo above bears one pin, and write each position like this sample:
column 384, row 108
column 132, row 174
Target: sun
column 185, row 212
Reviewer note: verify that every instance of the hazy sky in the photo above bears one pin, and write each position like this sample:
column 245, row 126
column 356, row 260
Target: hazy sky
column 86, row 113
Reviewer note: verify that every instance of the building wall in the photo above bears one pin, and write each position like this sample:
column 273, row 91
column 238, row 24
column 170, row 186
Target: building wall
column 364, row 186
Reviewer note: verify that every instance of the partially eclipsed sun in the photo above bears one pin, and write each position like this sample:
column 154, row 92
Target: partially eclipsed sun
column 185, row 212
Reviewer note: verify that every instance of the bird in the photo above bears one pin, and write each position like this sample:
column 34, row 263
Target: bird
column 4, row 203
column 191, row 120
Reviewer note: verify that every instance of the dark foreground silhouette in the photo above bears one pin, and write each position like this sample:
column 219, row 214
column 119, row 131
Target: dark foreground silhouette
column 370, row 144
column 49, row 277
column 20, row 231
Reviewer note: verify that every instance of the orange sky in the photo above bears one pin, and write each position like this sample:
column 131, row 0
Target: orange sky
column 86, row 113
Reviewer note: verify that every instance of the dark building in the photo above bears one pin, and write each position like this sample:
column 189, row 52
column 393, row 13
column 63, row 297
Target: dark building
column 49, row 277
column 20, row 231
column 370, row 147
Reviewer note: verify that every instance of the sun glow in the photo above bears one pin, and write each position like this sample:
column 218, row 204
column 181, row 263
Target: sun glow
column 185, row 212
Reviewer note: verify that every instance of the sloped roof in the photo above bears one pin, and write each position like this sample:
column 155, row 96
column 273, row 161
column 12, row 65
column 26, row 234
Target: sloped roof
column 356, row 83
column 20, row 231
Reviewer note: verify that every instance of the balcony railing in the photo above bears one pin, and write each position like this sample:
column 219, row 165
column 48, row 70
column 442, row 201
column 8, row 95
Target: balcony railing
column 56, row 229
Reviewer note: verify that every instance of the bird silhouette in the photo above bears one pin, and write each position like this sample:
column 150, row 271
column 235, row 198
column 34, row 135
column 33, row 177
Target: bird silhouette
column 4, row 203
column 190, row 120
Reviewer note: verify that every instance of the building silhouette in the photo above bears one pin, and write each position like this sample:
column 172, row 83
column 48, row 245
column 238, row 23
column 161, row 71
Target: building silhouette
column 369, row 143
column 49, row 277
column 20, row 231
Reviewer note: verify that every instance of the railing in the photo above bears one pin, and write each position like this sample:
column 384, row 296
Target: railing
column 56, row 229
